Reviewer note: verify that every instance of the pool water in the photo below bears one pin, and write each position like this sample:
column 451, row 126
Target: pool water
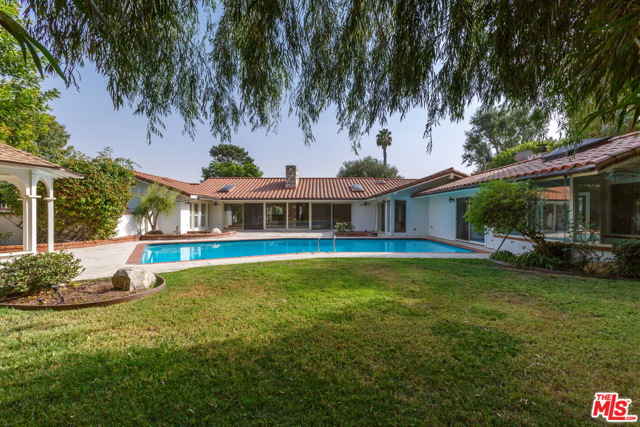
column 241, row 248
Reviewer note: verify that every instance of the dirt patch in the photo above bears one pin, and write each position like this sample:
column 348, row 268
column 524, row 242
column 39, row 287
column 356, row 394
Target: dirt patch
column 77, row 293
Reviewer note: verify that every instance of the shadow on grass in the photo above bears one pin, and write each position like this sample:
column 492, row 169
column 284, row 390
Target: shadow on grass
column 323, row 374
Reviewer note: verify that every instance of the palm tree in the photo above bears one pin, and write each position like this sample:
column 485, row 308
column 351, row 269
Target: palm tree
column 383, row 139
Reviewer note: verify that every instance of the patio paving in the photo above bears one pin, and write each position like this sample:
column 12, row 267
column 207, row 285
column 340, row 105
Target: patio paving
column 103, row 261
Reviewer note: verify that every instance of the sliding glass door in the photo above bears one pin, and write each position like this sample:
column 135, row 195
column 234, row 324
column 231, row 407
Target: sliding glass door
column 321, row 216
column 464, row 230
column 253, row 216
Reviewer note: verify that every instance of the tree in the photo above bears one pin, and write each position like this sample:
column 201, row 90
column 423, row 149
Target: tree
column 52, row 144
column 93, row 204
column 366, row 59
column 230, row 161
column 503, row 207
column 156, row 201
column 367, row 167
column 224, row 152
column 23, row 105
column 495, row 130
column 383, row 139
column 507, row 156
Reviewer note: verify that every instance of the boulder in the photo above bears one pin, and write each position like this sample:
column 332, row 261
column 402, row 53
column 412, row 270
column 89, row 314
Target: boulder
column 133, row 279
column 155, row 232
column 216, row 231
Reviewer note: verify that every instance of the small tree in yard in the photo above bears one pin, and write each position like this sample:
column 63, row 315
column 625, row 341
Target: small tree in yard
column 503, row 207
column 155, row 202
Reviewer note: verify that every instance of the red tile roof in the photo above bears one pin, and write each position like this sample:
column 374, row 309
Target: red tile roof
column 184, row 187
column 425, row 179
column 307, row 189
column 599, row 157
column 274, row 188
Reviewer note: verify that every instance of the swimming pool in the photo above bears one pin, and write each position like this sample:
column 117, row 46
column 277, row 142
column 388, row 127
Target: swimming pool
column 242, row 248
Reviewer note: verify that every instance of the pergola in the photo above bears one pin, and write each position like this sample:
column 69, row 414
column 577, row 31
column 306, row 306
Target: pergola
column 25, row 171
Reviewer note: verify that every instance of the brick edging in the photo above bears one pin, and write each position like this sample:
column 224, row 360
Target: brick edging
column 42, row 247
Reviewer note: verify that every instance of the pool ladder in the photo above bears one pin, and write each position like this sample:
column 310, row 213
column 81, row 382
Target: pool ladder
column 334, row 243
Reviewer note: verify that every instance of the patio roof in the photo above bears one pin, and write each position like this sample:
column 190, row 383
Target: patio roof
column 595, row 157
column 12, row 156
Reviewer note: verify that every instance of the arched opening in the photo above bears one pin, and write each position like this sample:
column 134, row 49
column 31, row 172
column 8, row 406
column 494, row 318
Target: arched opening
column 11, row 207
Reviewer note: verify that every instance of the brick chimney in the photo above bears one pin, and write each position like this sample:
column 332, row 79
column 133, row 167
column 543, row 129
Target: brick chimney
column 292, row 177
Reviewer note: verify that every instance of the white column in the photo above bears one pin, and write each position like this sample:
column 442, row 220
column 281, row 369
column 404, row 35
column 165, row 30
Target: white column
column 310, row 217
column 50, row 225
column 33, row 224
column 25, row 229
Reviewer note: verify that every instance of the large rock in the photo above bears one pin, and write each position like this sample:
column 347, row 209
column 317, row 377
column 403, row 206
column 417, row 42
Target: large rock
column 133, row 279
column 216, row 231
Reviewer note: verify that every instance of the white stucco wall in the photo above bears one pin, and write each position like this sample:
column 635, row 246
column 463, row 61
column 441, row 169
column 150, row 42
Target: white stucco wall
column 511, row 245
column 127, row 226
column 363, row 217
column 442, row 217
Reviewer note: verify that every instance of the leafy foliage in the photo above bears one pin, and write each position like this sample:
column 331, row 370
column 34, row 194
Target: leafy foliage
column 502, row 255
column 230, row 161
column 32, row 273
column 156, row 201
column 502, row 207
column 23, row 105
column 52, row 144
column 495, row 130
column 368, row 59
column 383, row 139
column 535, row 259
column 95, row 202
column 343, row 227
column 367, row 167
column 505, row 157
column 627, row 257
column 230, row 169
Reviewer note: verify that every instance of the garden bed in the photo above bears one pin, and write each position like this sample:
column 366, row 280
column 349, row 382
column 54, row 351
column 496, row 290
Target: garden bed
column 557, row 272
column 94, row 293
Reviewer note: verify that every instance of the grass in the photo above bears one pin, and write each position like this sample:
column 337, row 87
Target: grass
column 330, row 342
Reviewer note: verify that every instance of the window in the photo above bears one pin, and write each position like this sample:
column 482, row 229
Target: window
column 609, row 203
column 276, row 215
column 341, row 213
column 400, row 218
column 298, row 214
column 321, row 216
column 233, row 216
column 198, row 218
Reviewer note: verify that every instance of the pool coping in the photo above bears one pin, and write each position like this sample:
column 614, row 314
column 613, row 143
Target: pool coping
column 136, row 254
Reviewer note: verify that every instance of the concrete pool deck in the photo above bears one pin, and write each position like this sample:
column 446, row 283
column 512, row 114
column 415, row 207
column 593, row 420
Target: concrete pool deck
column 103, row 261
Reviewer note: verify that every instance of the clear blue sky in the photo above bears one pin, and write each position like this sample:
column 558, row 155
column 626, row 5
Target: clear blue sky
column 93, row 123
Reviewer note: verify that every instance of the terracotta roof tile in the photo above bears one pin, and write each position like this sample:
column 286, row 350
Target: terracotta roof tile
column 307, row 189
column 615, row 150
column 183, row 187
column 274, row 188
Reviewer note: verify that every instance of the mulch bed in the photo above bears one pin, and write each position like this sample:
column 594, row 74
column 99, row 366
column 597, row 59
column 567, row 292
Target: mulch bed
column 77, row 293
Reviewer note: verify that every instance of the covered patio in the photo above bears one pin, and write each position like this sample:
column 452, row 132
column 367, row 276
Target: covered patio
column 25, row 171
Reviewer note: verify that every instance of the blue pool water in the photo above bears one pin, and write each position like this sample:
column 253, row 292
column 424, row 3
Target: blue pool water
column 239, row 248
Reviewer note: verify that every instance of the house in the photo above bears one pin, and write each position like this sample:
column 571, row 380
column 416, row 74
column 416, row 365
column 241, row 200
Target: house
column 598, row 180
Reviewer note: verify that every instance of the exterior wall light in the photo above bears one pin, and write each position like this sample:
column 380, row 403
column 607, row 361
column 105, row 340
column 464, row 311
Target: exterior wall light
column 451, row 200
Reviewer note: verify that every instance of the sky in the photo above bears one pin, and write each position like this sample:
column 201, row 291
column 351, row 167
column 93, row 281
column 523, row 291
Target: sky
column 94, row 124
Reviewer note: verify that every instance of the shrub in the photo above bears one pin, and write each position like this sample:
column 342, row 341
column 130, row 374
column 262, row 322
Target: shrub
column 504, row 256
column 536, row 259
column 344, row 227
column 627, row 256
column 33, row 273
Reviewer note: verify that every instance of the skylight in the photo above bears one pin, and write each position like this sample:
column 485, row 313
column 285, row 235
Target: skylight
column 357, row 187
column 226, row 188
column 381, row 181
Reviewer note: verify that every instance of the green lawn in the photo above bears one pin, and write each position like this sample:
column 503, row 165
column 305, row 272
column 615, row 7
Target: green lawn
column 330, row 342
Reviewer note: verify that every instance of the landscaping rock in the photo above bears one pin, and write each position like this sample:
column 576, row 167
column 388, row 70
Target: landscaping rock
column 157, row 232
column 216, row 231
column 133, row 279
